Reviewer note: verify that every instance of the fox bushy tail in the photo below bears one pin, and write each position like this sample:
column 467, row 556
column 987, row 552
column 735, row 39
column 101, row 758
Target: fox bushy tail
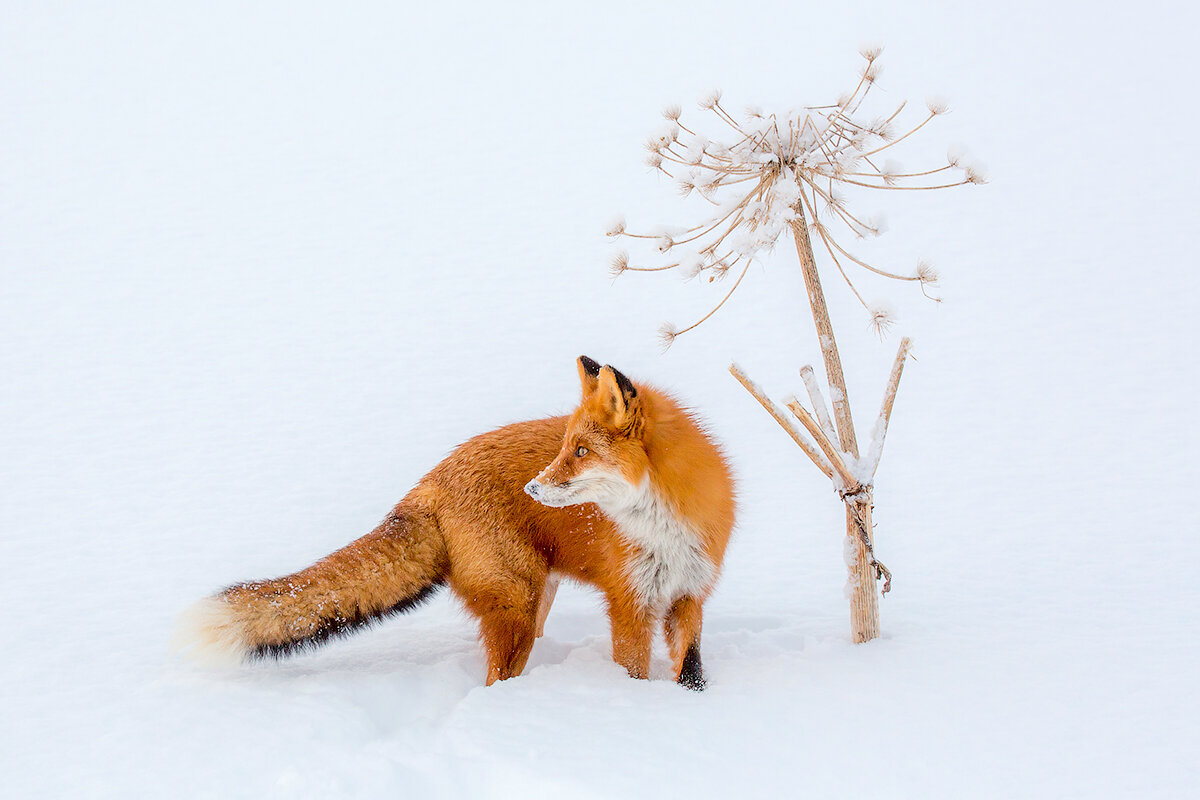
column 390, row 570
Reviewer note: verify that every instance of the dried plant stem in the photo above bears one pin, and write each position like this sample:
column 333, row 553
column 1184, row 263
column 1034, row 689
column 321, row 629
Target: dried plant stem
column 895, row 142
column 848, row 482
column 718, row 306
column 876, row 173
column 833, row 362
column 885, row 410
column 905, row 188
column 863, row 569
column 818, row 401
column 752, row 387
column 865, row 265
column 864, row 599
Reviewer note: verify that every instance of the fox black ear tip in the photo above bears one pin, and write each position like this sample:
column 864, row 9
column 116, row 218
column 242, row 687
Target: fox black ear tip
column 627, row 387
column 590, row 365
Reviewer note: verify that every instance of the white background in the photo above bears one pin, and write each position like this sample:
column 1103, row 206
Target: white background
column 261, row 267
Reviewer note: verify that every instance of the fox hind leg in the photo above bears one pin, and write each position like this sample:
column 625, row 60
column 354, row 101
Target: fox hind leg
column 508, row 639
column 507, row 624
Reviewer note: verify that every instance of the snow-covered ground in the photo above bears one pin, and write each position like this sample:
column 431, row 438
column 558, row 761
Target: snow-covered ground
column 263, row 265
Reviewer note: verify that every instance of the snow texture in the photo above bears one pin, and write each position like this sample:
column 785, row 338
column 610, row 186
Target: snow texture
column 263, row 265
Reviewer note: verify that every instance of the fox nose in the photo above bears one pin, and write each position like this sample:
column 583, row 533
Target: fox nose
column 533, row 488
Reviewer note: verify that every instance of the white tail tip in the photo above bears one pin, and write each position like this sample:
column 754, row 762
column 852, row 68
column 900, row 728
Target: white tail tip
column 208, row 634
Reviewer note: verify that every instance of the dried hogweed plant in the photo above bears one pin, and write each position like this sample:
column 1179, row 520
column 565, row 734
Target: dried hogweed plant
column 772, row 171
column 789, row 173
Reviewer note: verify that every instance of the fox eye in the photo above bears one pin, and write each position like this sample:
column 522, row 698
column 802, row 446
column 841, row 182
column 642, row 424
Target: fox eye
column 580, row 452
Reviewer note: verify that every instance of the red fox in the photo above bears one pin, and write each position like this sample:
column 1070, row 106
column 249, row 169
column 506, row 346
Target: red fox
column 628, row 494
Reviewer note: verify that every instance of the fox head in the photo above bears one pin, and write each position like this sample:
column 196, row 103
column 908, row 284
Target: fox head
column 603, row 457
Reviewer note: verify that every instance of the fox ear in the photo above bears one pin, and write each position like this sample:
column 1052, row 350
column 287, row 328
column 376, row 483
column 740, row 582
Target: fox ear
column 589, row 370
column 619, row 394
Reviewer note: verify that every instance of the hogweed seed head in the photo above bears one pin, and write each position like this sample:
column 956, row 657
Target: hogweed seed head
column 619, row 263
column 870, row 51
column 690, row 266
column 882, row 128
column 937, row 105
column 973, row 173
column 926, row 273
column 703, row 179
column 666, row 334
column 711, row 99
column 663, row 139
column 672, row 112
column 889, row 171
column 882, row 319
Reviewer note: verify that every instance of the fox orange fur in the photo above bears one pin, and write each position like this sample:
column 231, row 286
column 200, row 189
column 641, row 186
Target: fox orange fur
column 628, row 494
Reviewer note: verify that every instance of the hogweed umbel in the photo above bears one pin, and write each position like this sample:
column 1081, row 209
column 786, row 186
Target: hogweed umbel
column 772, row 171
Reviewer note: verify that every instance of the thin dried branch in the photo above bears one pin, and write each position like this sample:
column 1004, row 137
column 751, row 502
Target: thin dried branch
column 898, row 175
column 963, row 182
column 820, row 229
column 716, row 308
column 850, row 484
column 895, row 142
column 875, row 451
column 818, row 402
column 788, row 426
column 866, row 266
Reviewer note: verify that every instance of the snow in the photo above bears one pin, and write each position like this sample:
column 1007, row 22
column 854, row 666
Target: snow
column 262, row 266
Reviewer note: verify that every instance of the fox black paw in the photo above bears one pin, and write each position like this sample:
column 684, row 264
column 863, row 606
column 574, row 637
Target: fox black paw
column 691, row 675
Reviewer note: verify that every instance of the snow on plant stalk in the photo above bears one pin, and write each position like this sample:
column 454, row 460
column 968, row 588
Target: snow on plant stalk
column 772, row 174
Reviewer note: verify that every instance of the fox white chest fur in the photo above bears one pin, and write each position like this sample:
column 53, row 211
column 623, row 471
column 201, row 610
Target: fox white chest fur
column 670, row 561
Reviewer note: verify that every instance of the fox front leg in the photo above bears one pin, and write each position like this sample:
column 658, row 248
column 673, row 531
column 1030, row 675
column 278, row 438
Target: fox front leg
column 682, row 628
column 631, row 628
